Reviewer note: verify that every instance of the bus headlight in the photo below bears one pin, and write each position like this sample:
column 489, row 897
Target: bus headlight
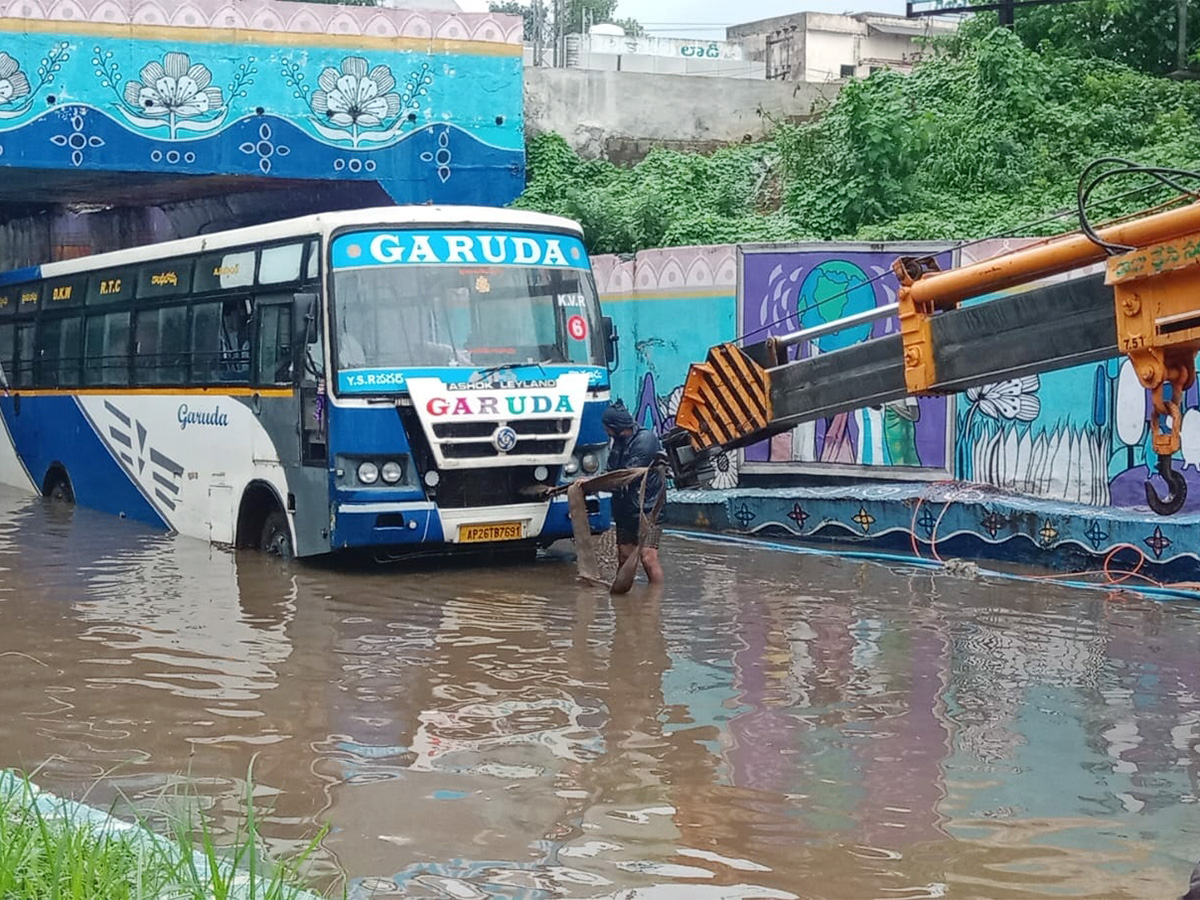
column 572, row 466
column 368, row 472
column 391, row 472
column 590, row 462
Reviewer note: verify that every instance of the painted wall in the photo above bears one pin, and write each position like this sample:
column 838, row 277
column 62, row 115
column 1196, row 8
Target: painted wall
column 428, row 104
column 1080, row 435
column 786, row 287
column 668, row 306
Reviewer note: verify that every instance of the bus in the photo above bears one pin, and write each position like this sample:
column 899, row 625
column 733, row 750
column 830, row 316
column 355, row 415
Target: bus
column 387, row 379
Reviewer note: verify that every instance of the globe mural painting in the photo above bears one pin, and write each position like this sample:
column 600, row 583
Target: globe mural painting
column 798, row 288
column 830, row 291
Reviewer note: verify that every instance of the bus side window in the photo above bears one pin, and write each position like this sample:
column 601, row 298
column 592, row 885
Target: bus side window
column 23, row 365
column 7, row 333
column 106, row 349
column 274, row 344
column 60, row 349
column 234, row 339
column 161, row 350
column 206, row 343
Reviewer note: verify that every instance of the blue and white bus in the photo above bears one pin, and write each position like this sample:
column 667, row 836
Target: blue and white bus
column 383, row 378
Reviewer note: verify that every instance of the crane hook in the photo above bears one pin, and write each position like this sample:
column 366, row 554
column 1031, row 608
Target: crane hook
column 1176, row 489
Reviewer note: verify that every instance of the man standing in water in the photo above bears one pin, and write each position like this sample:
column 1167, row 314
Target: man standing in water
column 633, row 447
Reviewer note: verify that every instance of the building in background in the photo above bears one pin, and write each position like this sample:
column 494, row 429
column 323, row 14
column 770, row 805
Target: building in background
column 608, row 48
column 819, row 47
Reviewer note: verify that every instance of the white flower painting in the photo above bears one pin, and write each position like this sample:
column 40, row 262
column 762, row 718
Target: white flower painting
column 356, row 97
column 364, row 104
column 1015, row 399
column 176, row 92
column 14, row 85
column 727, row 471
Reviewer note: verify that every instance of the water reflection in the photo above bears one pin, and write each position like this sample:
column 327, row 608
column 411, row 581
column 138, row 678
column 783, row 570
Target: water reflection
column 765, row 726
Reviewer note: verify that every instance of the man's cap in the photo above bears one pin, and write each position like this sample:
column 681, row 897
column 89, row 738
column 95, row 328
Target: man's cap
column 617, row 418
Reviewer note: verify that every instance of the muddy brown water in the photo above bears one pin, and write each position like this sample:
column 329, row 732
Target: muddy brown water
column 768, row 725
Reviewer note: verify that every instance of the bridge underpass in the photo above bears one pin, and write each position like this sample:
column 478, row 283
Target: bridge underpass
column 128, row 122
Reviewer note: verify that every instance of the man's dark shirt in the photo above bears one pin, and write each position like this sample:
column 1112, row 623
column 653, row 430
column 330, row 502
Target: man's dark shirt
column 638, row 450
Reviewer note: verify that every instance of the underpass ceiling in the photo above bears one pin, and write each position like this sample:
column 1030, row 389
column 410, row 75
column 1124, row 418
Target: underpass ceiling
column 29, row 192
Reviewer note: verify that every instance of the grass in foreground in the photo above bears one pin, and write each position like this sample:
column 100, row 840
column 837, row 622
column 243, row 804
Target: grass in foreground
column 53, row 850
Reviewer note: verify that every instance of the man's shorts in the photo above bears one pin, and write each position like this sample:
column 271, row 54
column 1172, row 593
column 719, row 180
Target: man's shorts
column 627, row 525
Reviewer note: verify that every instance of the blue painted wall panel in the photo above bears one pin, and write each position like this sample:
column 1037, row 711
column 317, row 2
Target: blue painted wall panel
column 433, row 121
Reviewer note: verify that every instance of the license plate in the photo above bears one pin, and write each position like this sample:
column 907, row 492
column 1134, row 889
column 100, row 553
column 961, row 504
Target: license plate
column 496, row 531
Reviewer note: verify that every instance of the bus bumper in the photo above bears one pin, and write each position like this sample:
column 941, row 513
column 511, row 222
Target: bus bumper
column 399, row 524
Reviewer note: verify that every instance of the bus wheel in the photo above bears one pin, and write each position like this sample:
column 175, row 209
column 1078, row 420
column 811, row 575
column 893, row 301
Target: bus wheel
column 58, row 490
column 276, row 537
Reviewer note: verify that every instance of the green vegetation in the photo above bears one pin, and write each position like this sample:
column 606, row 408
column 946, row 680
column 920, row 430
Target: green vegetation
column 1138, row 33
column 985, row 137
column 50, row 850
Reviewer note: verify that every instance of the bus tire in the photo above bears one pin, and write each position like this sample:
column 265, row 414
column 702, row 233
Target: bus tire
column 276, row 537
column 58, row 487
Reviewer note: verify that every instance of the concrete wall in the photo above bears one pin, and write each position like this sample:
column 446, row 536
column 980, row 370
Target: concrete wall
column 665, row 65
column 753, row 35
column 827, row 47
column 621, row 115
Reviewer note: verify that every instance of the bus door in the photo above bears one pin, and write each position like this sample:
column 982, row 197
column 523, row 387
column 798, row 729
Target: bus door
column 275, row 401
column 288, row 370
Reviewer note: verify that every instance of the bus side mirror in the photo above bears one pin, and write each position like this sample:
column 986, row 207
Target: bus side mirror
column 304, row 319
column 608, row 330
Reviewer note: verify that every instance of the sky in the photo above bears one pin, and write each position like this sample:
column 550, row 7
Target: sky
column 708, row 18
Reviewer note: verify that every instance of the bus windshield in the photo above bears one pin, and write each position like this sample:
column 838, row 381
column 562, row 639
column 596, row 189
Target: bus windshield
column 474, row 297
column 477, row 316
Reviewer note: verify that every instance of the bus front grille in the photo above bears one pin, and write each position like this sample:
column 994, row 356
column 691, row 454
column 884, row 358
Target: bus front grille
column 461, row 488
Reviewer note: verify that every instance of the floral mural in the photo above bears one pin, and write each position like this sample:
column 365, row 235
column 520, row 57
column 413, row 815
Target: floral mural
column 174, row 90
column 181, row 99
column 17, row 93
column 1015, row 399
column 359, row 103
column 1045, row 463
column 354, row 97
column 1079, row 435
column 14, row 85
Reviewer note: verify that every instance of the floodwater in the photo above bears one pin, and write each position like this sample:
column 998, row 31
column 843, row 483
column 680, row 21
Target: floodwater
column 769, row 725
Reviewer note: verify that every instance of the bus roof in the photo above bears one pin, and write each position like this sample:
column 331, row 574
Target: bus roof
column 320, row 223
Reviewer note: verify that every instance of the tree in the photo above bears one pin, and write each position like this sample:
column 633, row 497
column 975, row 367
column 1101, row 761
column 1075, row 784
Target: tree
column 574, row 17
column 579, row 14
column 632, row 26
column 1140, row 34
column 534, row 13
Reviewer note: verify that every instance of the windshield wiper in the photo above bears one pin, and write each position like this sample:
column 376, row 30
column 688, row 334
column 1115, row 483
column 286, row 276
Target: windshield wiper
column 492, row 370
